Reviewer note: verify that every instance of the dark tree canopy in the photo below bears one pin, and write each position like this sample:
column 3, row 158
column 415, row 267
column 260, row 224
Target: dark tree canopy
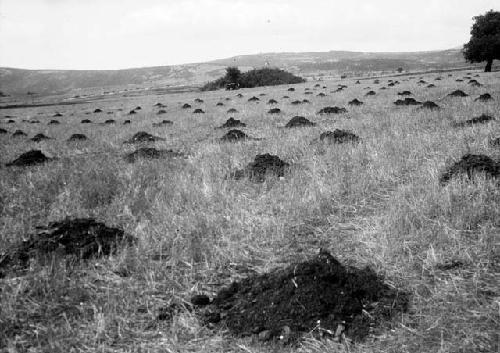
column 233, row 74
column 484, row 44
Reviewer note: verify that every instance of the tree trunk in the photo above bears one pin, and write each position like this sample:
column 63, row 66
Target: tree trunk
column 488, row 65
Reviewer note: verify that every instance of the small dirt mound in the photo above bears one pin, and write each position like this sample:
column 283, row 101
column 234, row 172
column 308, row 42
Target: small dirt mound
column 138, row 108
column 232, row 122
column 40, row 137
column 431, row 85
column 338, row 136
column 57, row 115
column 160, row 105
column 53, row 122
column 234, row 135
column 476, row 120
column 321, row 94
column 125, row 122
column 272, row 101
column 291, row 89
column 85, row 121
column 232, row 110
column 151, row 153
column 163, row 123
column 430, row 105
column 253, row 99
column 405, row 93
column 132, row 112
column 161, row 111
column 296, row 102
column 29, row 158
column 262, row 94
column 318, row 296
column 286, row 97
column 186, row 106
column 459, row 80
column 198, row 100
column 471, row 164
column 494, row 142
column 299, row 121
column 143, row 136
column 77, row 137
column 407, row 101
column 422, row 82
column 34, row 121
column 110, row 121
column 474, row 83
column 357, row 82
column 198, row 111
column 308, row 92
column 219, row 104
column 355, row 101
column 274, row 111
column 458, row 93
column 3, row 131
column 84, row 238
column 239, row 95
column 262, row 166
column 19, row 133
column 370, row 93
column 10, row 121
column 332, row 110
column 305, row 101
column 484, row 97
column 98, row 110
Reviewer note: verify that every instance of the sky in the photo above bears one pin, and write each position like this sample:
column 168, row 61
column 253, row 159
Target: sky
column 117, row 34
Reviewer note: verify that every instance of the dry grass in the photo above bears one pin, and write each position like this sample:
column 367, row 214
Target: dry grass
column 377, row 203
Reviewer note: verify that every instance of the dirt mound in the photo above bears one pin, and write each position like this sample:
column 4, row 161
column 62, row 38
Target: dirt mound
column 459, row 80
column 10, row 121
column 234, row 135
column 296, row 102
column 138, row 108
column 405, row 93
column 321, row 94
column 370, row 93
column 198, row 111
column 3, row 131
column 151, row 153
column 77, row 137
column 132, row 112
column 160, row 105
column 338, row 136
column 474, row 83
column 232, row 122
column 84, row 238
column 484, row 97
column 286, row 97
column 53, row 122
column 274, row 111
column 253, row 99
column 161, row 111
column 458, row 93
column 19, row 133
column 407, row 101
column 34, row 121
column 291, row 89
column 299, row 121
column 471, row 164
column 308, row 92
column 431, row 85
column 232, row 110
column 186, row 106
column 57, row 115
column 98, row 110
column 262, row 166
column 357, row 82
column 239, row 95
column 29, row 158
column 219, row 104
column 143, row 136
column 355, row 101
column 272, row 101
column 125, row 122
column 430, row 105
column 40, row 137
column 85, row 121
column 332, row 110
column 318, row 296
column 494, row 142
column 421, row 82
column 476, row 120
column 110, row 121
column 198, row 100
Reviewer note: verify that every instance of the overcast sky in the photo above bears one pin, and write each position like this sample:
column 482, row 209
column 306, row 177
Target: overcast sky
column 114, row 34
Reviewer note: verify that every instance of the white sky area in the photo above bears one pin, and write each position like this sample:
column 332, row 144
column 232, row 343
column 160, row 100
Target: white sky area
column 115, row 34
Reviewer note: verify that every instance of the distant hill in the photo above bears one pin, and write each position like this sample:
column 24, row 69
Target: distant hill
column 312, row 64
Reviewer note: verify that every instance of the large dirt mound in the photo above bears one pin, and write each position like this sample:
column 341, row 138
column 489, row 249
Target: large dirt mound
column 29, row 158
column 355, row 101
column 471, row 164
column 234, row 136
column 484, row 97
column 318, row 296
column 84, row 238
column 299, row 121
column 262, row 166
column 40, row 137
column 232, row 122
column 332, row 110
column 143, row 136
column 151, row 153
column 458, row 93
column 339, row 136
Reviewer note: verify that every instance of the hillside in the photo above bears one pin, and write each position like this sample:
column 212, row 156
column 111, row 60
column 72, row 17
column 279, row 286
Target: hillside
column 312, row 64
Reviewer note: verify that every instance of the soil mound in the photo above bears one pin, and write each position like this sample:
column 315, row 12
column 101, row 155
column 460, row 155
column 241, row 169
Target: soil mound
column 232, row 122
column 319, row 296
column 458, row 93
column 161, row 111
column 494, row 142
column 477, row 120
column 253, row 99
column 305, row 101
column 262, row 166
column 163, row 123
column 232, row 110
column 198, row 111
column 234, row 135
column 355, row 101
column 430, row 105
column 142, row 136
column 40, row 137
column 291, row 89
column 160, row 105
column 53, row 122
column 296, row 102
column 332, row 110
column 132, row 112
column 339, row 136
column 110, row 121
column 29, row 158
column 274, row 111
column 98, row 110
column 308, row 92
column 125, row 122
column 186, row 106
column 272, row 101
column 474, row 83
column 3, row 131
column 431, row 85
column 321, row 94
column 57, row 115
column 407, row 101
column 239, row 95
column 84, row 238
column 198, row 100
column 484, row 97
column 85, row 121
column 151, row 153
column 19, row 133
column 219, row 104
column 405, row 93
column 370, row 93
column 10, row 121
column 471, row 164
column 299, row 121
column 286, row 97
column 77, row 137
column 138, row 108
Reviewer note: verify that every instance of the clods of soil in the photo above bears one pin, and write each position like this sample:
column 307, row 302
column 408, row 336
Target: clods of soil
column 234, row 136
column 232, row 122
column 430, row 105
column 332, row 110
column 355, row 102
column 407, row 101
column 143, row 136
column 299, row 121
column 484, row 97
column 321, row 94
column 40, row 137
column 469, row 165
column 29, row 158
column 431, row 85
column 264, row 165
column 319, row 296
column 83, row 238
column 476, row 120
column 219, row 104
column 151, row 153
column 296, row 102
column 338, row 136
column 77, row 137
column 458, row 93
column 198, row 100
column 274, row 111
column 132, row 112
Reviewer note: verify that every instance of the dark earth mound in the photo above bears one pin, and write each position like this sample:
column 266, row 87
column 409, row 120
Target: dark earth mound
column 132, row 112
column 161, row 111
column 40, row 137
column 471, row 164
column 198, row 100
column 10, row 121
column 84, row 238
column 110, row 121
column 186, row 106
column 332, row 110
column 143, row 136
column 296, row 102
column 77, row 137
column 234, row 135
column 308, row 93
column 19, row 133
column 458, row 93
column 232, row 110
column 232, row 122
column 274, row 111
column 476, row 120
column 262, row 166
column 272, row 101
column 484, row 97
column 407, row 101
column 163, row 123
column 355, row 101
column 85, row 121
column 305, row 101
column 291, row 89
column 299, row 121
column 494, row 142
column 138, row 108
column 321, row 94
column 219, row 104
column 159, row 105
column 286, row 97
column 474, row 83
column 431, row 85
column 125, row 122
column 151, row 153
column 338, row 136
column 430, row 105
column 3, row 131
column 53, row 122
column 405, row 93
column 239, row 95
column 370, row 93
column 318, row 296
column 198, row 111
column 98, row 110
column 57, row 115
column 459, row 80
column 253, row 99
column 29, row 158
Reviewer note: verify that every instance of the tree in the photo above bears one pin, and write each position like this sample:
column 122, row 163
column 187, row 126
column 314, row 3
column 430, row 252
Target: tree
column 484, row 44
column 233, row 75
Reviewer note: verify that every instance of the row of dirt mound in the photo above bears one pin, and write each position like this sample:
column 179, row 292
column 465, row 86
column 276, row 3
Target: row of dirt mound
column 264, row 165
column 82, row 238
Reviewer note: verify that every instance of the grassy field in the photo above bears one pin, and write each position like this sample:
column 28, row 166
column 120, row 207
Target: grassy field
column 377, row 203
